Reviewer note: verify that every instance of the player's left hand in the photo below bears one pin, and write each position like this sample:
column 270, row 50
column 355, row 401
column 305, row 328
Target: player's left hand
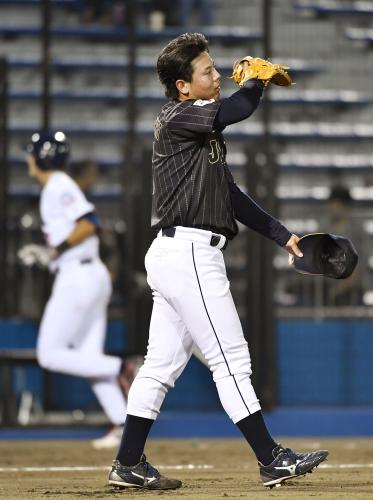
column 261, row 69
column 292, row 248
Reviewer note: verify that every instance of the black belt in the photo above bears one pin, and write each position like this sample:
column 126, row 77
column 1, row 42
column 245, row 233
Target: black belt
column 214, row 241
column 82, row 261
column 85, row 261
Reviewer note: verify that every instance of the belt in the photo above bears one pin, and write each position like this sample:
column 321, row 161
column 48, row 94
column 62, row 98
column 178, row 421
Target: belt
column 214, row 241
column 87, row 260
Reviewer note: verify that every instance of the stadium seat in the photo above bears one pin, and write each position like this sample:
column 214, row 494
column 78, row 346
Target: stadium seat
column 216, row 33
column 333, row 7
column 303, row 97
column 360, row 35
column 299, row 67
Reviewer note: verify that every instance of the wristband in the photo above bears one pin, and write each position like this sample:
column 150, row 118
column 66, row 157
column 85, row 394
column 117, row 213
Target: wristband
column 63, row 247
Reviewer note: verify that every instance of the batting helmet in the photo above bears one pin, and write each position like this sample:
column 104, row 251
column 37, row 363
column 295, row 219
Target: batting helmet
column 326, row 254
column 49, row 149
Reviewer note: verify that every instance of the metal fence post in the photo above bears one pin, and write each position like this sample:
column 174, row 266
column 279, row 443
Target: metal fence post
column 4, row 182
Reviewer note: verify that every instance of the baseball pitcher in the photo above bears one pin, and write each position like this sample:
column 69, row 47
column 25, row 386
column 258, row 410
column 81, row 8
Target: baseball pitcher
column 196, row 204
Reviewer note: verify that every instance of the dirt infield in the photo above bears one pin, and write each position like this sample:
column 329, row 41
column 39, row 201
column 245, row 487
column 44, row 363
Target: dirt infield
column 210, row 469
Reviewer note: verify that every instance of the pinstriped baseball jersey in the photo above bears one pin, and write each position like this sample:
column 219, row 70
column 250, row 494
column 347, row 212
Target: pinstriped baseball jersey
column 190, row 173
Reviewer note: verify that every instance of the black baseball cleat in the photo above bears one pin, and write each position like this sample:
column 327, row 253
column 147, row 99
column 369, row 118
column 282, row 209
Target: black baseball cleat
column 143, row 475
column 287, row 465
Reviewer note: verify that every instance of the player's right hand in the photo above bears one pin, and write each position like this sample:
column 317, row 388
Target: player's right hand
column 292, row 248
column 32, row 254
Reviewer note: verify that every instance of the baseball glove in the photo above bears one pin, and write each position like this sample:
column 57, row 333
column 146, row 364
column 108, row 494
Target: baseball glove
column 262, row 70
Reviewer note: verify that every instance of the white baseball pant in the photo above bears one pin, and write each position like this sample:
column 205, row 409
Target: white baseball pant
column 72, row 332
column 192, row 305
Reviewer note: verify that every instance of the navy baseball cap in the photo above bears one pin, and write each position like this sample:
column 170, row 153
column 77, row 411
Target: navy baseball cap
column 326, row 254
column 50, row 149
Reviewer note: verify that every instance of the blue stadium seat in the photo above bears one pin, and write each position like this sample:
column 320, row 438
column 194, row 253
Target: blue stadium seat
column 360, row 35
column 317, row 162
column 241, row 131
column 294, row 194
column 235, row 34
column 298, row 67
column 90, row 95
column 18, row 161
column 324, row 162
column 333, row 7
column 323, row 97
column 108, row 193
column 331, row 98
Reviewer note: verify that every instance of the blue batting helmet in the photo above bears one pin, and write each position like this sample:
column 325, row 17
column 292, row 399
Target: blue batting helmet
column 49, row 149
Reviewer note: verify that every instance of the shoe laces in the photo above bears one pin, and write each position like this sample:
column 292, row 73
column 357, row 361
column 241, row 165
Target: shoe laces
column 149, row 469
column 291, row 454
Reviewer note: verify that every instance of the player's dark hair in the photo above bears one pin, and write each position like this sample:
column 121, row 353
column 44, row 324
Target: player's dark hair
column 175, row 60
column 78, row 168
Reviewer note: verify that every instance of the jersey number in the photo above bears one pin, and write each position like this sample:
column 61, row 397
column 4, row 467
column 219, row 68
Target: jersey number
column 215, row 154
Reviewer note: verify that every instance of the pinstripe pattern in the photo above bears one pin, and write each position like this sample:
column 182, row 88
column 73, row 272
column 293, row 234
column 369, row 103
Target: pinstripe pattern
column 190, row 174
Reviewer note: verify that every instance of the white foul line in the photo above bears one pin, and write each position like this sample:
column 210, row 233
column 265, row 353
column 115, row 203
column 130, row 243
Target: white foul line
column 169, row 467
column 98, row 468
column 346, row 466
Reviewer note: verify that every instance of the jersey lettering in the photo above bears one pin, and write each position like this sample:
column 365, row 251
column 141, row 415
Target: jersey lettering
column 215, row 154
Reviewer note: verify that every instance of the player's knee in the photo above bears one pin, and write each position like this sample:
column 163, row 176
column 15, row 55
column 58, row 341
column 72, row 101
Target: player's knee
column 227, row 369
column 166, row 378
column 234, row 360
